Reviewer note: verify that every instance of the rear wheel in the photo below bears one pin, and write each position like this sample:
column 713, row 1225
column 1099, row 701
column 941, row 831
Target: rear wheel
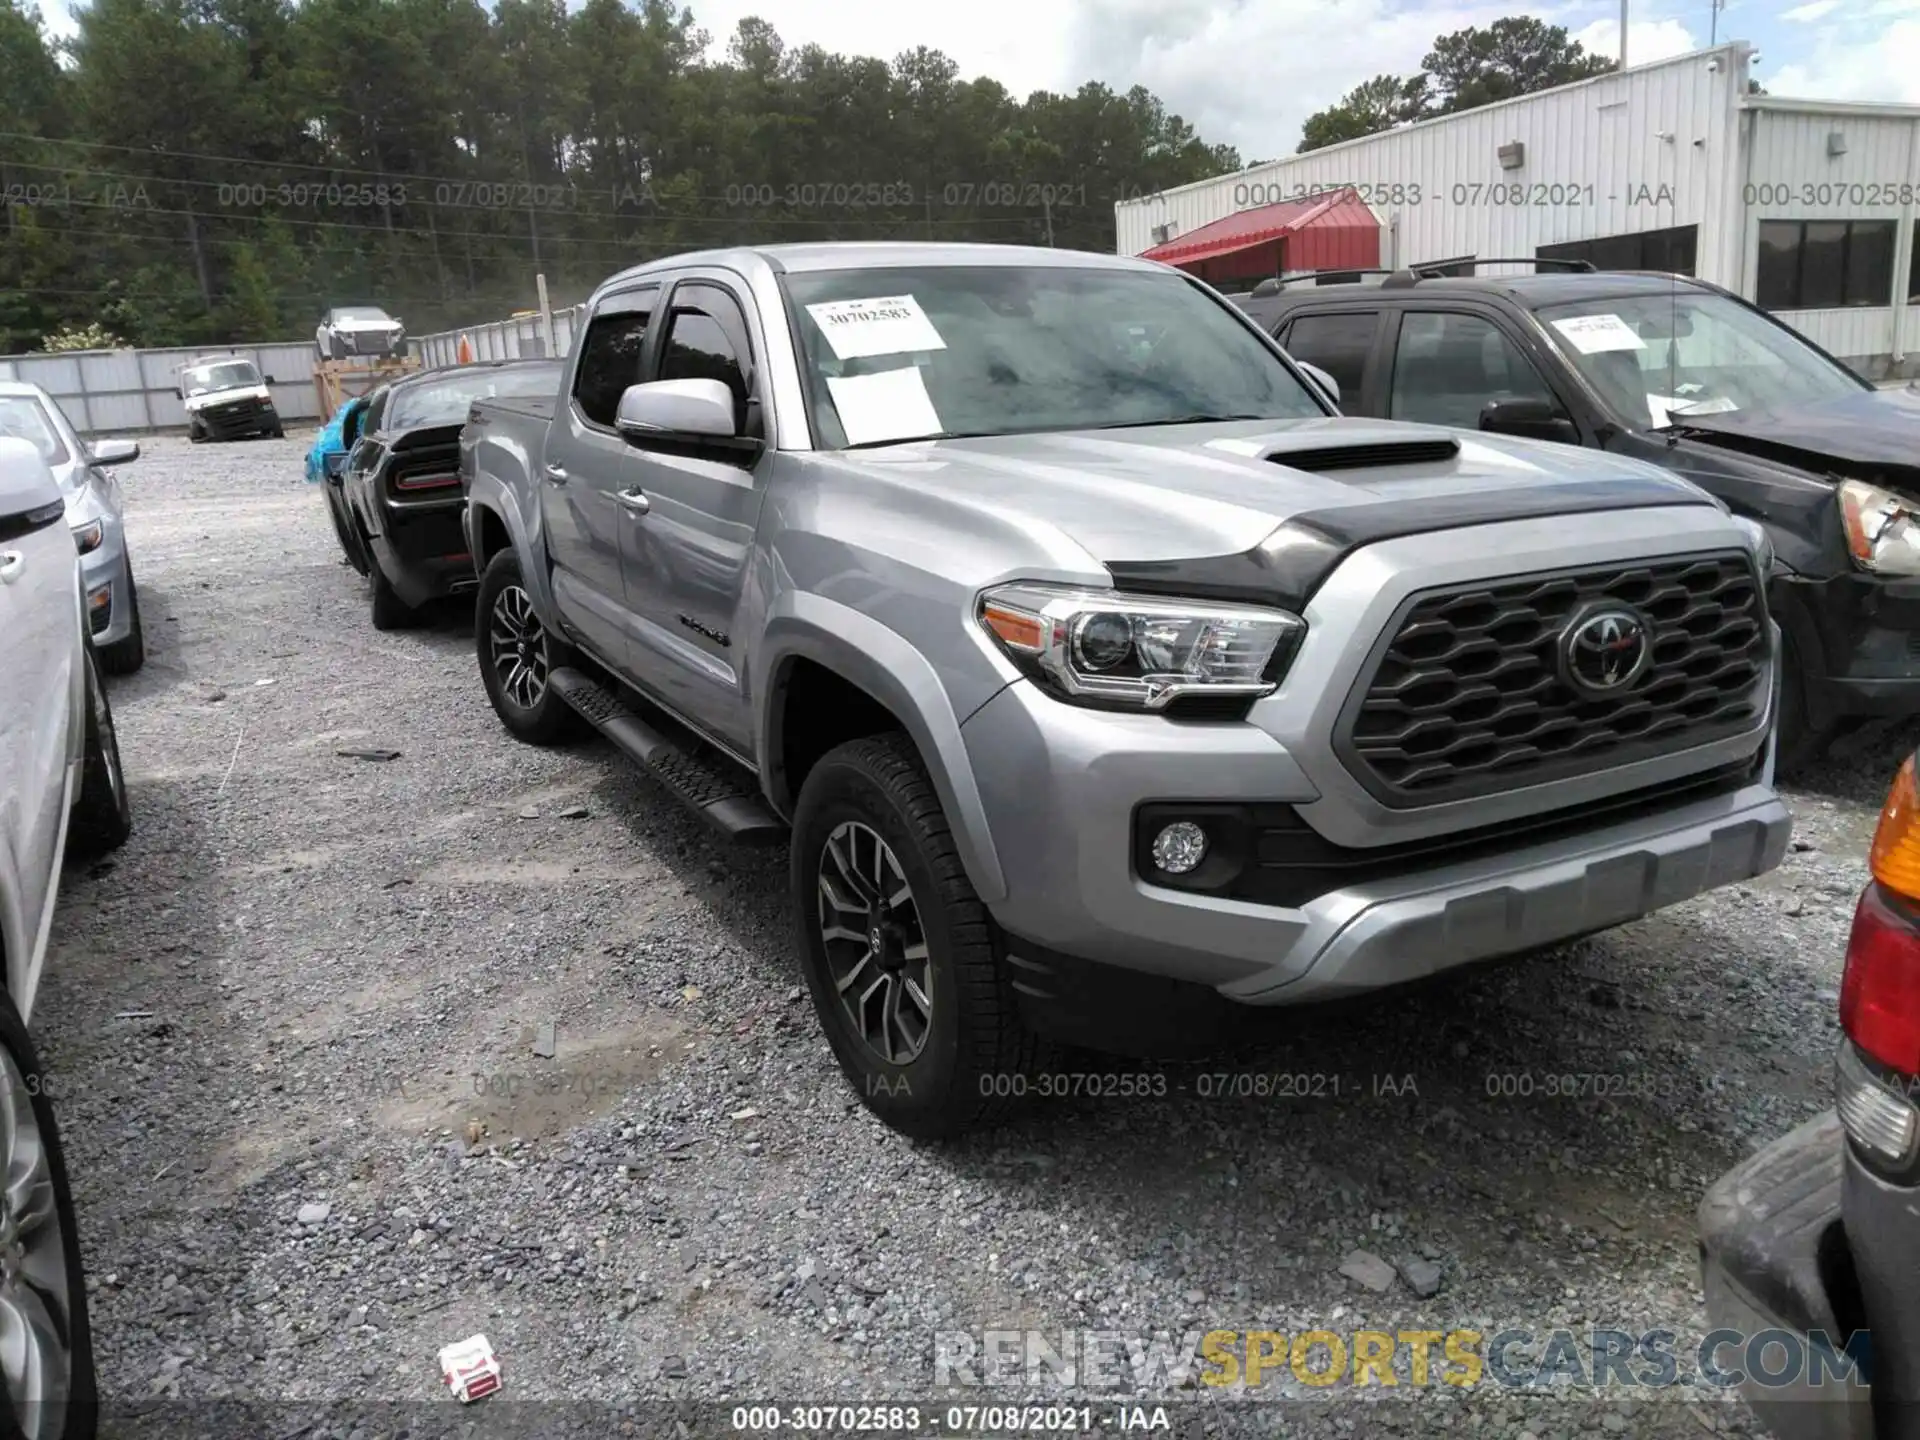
column 123, row 657
column 390, row 612
column 46, row 1342
column 518, row 656
column 103, row 815
column 898, row 950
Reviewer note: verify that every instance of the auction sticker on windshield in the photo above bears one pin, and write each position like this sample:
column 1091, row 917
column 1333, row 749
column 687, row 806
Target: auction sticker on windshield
column 893, row 405
column 884, row 325
column 1592, row 334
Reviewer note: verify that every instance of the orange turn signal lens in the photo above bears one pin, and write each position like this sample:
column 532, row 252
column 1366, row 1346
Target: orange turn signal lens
column 1895, row 856
column 1854, row 522
column 1017, row 628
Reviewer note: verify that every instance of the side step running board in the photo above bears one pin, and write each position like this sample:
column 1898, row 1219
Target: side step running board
column 716, row 789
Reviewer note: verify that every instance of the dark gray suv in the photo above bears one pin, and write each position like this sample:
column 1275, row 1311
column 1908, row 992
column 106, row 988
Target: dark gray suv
column 1691, row 377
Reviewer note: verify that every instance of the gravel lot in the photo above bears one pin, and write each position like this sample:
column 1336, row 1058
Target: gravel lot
column 309, row 976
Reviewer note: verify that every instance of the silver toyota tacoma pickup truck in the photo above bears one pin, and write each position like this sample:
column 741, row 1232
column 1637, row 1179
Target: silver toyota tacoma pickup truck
column 1104, row 678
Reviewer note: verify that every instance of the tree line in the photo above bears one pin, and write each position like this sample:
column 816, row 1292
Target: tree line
column 208, row 171
column 186, row 172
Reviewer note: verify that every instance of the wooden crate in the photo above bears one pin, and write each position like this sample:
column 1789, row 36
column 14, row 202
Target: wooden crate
column 337, row 381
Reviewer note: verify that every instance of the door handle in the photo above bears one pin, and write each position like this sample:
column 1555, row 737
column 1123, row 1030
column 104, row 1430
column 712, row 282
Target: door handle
column 12, row 563
column 557, row 473
column 636, row 500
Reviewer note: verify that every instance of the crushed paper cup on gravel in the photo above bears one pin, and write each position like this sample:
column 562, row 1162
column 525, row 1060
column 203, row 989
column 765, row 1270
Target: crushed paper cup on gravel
column 470, row 1369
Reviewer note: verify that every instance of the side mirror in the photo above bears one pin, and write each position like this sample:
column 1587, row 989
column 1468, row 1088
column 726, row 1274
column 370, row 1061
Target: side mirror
column 677, row 409
column 113, row 452
column 1325, row 381
column 1530, row 420
column 335, row 464
column 267, row 379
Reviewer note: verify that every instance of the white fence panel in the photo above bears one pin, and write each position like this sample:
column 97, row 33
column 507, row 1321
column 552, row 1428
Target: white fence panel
column 105, row 391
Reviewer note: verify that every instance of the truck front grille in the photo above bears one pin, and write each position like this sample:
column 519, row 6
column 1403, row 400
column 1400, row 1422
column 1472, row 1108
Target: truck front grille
column 1467, row 694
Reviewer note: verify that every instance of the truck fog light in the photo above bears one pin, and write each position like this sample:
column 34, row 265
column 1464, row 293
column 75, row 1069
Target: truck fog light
column 1180, row 847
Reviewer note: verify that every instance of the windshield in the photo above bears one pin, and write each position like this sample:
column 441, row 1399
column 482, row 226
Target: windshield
column 227, row 376
column 360, row 312
column 1659, row 360
column 22, row 417
column 900, row 354
column 445, row 401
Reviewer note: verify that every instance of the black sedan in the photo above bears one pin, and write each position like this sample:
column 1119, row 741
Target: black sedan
column 1811, row 1248
column 399, row 491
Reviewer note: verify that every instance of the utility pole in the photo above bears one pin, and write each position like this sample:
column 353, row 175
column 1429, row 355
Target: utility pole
column 1713, row 29
column 1046, row 205
column 1623, row 34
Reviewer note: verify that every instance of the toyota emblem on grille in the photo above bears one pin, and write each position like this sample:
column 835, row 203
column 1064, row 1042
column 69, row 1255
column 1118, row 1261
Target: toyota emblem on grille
column 1604, row 650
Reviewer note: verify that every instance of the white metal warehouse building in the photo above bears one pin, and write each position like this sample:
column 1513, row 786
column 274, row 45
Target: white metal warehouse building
column 1806, row 207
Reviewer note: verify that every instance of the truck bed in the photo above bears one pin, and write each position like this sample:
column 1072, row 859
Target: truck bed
column 532, row 407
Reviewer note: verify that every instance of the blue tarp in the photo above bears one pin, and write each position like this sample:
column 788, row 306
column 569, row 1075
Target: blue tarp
column 327, row 442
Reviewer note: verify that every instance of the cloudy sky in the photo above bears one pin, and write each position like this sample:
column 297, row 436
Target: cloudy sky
column 1247, row 72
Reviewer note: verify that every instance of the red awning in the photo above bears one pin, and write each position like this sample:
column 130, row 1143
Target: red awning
column 1247, row 228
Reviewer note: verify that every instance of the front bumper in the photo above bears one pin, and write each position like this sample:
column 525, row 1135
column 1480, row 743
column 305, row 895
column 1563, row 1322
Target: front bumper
column 1859, row 640
column 1062, row 787
column 103, row 571
column 238, row 419
column 1774, row 1256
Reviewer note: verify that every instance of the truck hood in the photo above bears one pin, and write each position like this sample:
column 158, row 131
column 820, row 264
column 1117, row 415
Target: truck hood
column 1873, row 435
column 1183, row 491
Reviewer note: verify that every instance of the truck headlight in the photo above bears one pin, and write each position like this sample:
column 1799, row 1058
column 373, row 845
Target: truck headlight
column 1883, row 530
column 1138, row 652
column 88, row 536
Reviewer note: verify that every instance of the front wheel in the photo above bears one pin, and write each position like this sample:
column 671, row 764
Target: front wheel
column 898, row 950
column 518, row 656
column 46, row 1340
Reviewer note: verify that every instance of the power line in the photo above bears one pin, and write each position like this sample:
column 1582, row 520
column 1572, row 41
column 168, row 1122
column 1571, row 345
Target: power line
column 457, row 180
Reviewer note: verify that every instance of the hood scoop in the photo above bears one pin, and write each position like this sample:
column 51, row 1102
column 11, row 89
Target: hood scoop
column 1368, row 455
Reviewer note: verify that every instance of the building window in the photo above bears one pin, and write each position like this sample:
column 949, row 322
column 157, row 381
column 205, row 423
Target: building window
column 1671, row 250
column 1824, row 264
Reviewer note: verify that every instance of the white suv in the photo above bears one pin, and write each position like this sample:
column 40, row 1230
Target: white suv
column 61, row 790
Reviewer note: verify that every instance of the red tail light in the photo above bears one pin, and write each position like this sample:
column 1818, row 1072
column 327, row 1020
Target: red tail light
column 1880, row 994
column 426, row 480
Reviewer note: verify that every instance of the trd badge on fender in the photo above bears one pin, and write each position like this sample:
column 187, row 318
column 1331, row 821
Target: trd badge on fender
column 1604, row 649
column 719, row 637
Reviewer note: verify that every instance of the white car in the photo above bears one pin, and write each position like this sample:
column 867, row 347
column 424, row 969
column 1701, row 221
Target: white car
column 93, row 514
column 61, row 792
column 359, row 330
column 226, row 398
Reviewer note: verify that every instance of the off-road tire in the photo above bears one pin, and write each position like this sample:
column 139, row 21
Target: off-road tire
column 127, row 655
column 103, row 815
column 977, row 1053
column 549, row 720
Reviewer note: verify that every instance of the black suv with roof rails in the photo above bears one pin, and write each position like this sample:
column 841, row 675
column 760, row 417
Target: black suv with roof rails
column 1691, row 377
